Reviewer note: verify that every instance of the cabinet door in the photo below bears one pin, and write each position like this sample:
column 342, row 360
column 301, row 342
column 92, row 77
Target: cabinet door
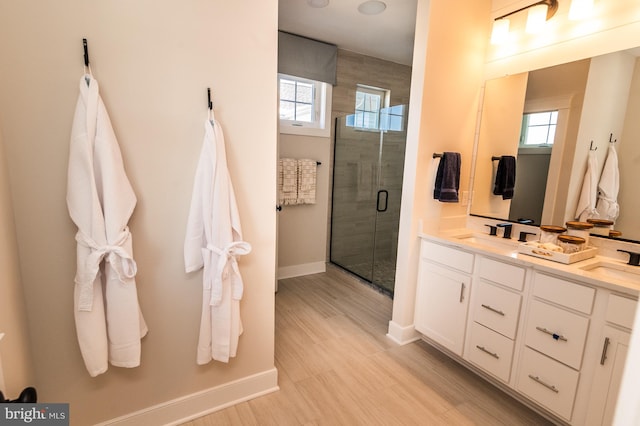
column 608, row 376
column 442, row 299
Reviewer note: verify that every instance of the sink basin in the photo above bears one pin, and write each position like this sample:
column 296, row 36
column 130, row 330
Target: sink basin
column 616, row 271
column 487, row 241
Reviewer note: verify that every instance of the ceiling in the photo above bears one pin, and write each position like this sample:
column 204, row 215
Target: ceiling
column 388, row 35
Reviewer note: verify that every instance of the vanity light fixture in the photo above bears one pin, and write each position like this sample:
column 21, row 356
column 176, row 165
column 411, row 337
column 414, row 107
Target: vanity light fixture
column 539, row 13
column 580, row 9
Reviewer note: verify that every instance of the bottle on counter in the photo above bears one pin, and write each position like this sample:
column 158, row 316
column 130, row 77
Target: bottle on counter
column 601, row 226
column 549, row 233
column 580, row 229
column 571, row 243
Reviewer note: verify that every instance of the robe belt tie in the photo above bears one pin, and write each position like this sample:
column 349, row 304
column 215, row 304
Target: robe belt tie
column 613, row 208
column 226, row 257
column 114, row 253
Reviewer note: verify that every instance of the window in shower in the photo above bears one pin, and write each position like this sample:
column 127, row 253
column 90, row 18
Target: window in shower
column 369, row 102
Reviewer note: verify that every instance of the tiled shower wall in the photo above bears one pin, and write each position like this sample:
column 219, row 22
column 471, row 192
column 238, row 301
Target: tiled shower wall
column 361, row 153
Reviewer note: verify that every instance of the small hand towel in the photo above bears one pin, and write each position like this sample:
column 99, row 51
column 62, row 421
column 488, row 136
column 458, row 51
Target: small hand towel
column 307, row 181
column 587, row 203
column 448, row 178
column 505, row 177
column 288, row 191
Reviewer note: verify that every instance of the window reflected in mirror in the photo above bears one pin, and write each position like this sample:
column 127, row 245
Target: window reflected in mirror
column 538, row 128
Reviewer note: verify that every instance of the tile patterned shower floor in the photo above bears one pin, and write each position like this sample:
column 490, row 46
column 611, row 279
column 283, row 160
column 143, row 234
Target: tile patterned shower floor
column 384, row 274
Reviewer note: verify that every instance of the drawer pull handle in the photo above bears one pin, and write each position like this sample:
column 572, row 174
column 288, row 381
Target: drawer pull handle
column 603, row 358
column 546, row 385
column 554, row 335
column 461, row 292
column 493, row 354
column 492, row 309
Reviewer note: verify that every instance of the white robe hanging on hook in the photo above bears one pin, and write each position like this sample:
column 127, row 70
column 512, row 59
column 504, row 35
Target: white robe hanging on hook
column 214, row 242
column 100, row 200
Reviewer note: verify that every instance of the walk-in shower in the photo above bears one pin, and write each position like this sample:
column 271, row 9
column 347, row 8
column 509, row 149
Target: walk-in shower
column 367, row 185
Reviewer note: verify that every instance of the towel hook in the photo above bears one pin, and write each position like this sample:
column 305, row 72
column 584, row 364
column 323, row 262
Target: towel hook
column 209, row 103
column 591, row 148
column 611, row 137
column 86, row 52
column 437, row 155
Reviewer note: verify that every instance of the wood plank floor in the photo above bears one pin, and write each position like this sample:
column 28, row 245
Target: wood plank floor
column 337, row 367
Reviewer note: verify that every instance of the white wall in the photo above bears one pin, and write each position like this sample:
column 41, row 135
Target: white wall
column 16, row 366
column 445, row 89
column 154, row 61
column 302, row 229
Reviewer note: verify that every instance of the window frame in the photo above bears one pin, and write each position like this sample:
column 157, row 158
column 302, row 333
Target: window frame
column 525, row 126
column 321, row 110
column 385, row 95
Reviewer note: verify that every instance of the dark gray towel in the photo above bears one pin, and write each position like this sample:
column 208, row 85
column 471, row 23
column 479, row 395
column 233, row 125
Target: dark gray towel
column 505, row 177
column 448, row 178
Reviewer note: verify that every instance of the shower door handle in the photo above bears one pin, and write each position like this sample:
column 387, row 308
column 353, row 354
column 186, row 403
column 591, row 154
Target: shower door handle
column 386, row 199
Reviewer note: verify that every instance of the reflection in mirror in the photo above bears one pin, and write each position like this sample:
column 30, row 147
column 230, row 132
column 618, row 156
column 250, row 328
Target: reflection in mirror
column 581, row 101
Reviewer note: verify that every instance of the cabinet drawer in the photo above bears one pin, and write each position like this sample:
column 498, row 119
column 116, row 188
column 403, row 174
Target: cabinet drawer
column 448, row 256
column 621, row 311
column 558, row 333
column 565, row 293
column 490, row 351
column 497, row 308
column 501, row 273
column 548, row 382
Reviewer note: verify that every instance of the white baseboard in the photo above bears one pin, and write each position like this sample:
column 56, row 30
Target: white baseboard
column 189, row 407
column 302, row 269
column 402, row 335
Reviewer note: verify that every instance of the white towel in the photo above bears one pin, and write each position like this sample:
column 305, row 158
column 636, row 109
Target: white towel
column 288, row 184
column 587, row 203
column 608, row 187
column 307, row 171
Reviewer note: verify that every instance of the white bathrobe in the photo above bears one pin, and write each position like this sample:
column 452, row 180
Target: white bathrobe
column 213, row 241
column 608, row 187
column 587, row 203
column 100, row 199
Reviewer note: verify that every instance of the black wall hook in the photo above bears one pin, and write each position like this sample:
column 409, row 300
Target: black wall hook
column 209, row 103
column 86, row 52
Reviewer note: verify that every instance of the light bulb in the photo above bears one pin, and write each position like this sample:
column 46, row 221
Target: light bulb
column 500, row 31
column 536, row 18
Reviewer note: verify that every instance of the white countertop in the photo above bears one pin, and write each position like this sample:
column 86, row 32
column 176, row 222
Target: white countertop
column 573, row 271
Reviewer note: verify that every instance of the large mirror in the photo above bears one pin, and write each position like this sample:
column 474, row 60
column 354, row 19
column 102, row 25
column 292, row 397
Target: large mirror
column 548, row 120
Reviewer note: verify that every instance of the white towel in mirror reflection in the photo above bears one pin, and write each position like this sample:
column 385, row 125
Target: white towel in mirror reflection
column 588, row 194
column 607, row 205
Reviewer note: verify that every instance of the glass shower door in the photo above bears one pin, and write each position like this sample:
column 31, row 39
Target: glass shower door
column 367, row 185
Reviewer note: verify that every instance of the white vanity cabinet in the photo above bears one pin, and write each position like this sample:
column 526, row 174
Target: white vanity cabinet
column 555, row 337
column 495, row 312
column 616, row 334
column 442, row 294
column 542, row 333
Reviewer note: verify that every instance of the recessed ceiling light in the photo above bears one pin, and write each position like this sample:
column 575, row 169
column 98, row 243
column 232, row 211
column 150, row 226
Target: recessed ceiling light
column 318, row 3
column 372, row 7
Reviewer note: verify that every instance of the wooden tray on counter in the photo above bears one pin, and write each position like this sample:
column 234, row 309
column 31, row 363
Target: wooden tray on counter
column 531, row 250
